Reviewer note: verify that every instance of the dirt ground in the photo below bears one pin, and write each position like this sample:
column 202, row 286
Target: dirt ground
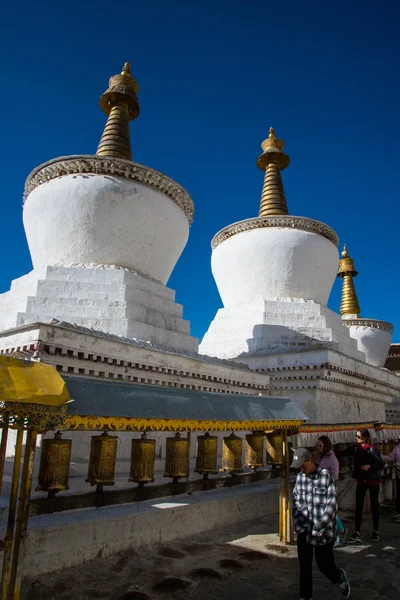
column 241, row 562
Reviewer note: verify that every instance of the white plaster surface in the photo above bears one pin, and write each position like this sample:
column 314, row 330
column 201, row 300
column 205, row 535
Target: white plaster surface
column 274, row 263
column 330, row 387
column 375, row 343
column 276, row 326
column 103, row 219
column 111, row 300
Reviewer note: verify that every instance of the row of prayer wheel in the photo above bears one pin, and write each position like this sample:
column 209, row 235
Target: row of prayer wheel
column 56, row 455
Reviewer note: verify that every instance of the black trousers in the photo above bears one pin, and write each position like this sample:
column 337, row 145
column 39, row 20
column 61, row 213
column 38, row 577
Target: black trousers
column 361, row 492
column 325, row 561
column 397, row 494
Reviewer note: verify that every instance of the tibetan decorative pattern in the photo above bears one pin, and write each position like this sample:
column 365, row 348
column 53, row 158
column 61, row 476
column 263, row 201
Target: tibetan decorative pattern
column 142, row 460
column 302, row 223
column 232, row 454
column 36, row 415
column 89, row 423
column 206, row 456
column 54, row 464
column 103, row 454
column 373, row 323
column 118, row 167
column 177, row 457
column 254, row 450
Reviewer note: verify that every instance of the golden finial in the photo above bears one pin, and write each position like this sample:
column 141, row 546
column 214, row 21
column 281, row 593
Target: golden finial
column 349, row 304
column 272, row 161
column 121, row 105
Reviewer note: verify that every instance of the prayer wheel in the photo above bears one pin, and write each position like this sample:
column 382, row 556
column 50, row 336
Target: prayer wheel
column 177, row 457
column 379, row 447
column 206, row 456
column 274, row 446
column 254, row 450
column 232, row 454
column 386, row 448
column 103, row 455
column 143, row 455
column 54, row 465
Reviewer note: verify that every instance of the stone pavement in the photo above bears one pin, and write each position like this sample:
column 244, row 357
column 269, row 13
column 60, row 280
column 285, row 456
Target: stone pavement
column 243, row 562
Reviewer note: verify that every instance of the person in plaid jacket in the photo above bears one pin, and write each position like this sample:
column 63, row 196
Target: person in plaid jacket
column 314, row 512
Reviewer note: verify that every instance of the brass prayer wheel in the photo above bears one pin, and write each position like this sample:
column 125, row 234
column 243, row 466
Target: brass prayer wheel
column 232, row 454
column 254, row 450
column 177, row 457
column 274, row 446
column 386, row 448
column 143, row 455
column 206, row 456
column 54, row 465
column 103, row 455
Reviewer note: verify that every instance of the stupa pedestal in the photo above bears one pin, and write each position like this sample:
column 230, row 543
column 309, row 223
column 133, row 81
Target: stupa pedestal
column 105, row 298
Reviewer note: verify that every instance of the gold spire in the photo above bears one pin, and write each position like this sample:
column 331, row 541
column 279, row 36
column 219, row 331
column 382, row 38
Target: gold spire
column 273, row 160
column 121, row 105
column 349, row 304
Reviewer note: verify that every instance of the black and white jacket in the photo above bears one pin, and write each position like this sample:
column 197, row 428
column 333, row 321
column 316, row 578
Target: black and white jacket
column 315, row 506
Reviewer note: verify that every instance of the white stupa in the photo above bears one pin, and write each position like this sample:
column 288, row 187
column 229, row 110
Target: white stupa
column 373, row 336
column 104, row 235
column 274, row 274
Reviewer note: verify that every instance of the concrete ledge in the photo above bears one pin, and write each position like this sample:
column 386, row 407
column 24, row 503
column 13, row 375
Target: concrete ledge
column 57, row 542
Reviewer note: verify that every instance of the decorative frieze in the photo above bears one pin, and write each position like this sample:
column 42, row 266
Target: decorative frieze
column 373, row 323
column 302, row 223
column 118, row 167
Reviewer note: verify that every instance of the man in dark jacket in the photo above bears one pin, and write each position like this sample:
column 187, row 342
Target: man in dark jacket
column 314, row 511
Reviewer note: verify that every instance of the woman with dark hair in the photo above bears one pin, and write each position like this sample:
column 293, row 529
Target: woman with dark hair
column 367, row 465
column 329, row 461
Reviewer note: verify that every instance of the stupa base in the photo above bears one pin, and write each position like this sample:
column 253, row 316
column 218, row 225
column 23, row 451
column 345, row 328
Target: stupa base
column 277, row 326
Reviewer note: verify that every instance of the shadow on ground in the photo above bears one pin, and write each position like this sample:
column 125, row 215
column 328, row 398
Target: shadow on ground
column 244, row 561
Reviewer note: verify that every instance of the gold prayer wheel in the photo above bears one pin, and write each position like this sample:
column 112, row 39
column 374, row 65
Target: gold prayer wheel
column 177, row 457
column 206, row 456
column 232, row 454
column 143, row 455
column 254, row 450
column 54, row 465
column 103, row 455
column 274, row 446
column 386, row 448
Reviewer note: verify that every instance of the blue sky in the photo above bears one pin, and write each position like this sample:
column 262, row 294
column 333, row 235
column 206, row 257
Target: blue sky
column 213, row 76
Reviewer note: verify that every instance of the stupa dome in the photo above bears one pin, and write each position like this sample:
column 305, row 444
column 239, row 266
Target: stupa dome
column 275, row 255
column 104, row 209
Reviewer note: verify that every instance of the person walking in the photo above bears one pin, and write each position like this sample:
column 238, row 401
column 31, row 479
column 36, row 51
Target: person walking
column 367, row 465
column 394, row 457
column 329, row 461
column 314, row 512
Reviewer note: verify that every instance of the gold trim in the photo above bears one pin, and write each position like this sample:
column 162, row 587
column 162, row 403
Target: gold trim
column 89, row 423
column 35, row 415
column 348, row 427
